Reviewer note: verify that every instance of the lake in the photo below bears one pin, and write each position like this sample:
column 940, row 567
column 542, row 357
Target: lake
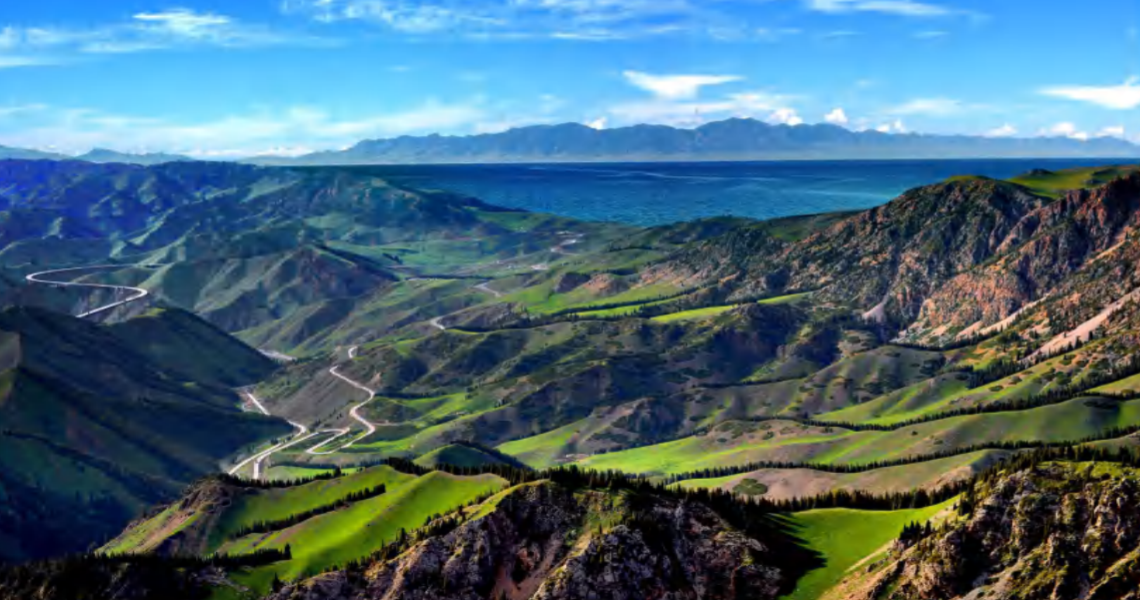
column 658, row 193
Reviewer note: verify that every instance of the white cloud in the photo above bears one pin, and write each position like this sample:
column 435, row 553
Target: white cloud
column 232, row 153
column 840, row 34
column 1066, row 129
column 19, row 109
column 589, row 35
column 186, row 23
column 1006, row 130
column 410, row 17
column 836, row 117
column 1118, row 97
column 928, row 106
column 785, row 116
column 775, row 35
column 896, row 126
column 9, row 37
column 908, row 8
column 691, row 114
column 1116, row 132
column 10, row 62
column 174, row 28
column 239, row 134
column 599, row 123
column 583, row 20
column 676, row 87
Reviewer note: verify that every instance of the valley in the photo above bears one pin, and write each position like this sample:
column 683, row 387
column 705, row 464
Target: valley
column 388, row 377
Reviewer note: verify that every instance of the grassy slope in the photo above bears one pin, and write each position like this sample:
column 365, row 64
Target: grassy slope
column 712, row 311
column 338, row 537
column 790, row 483
column 259, row 505
column 274, row 504
column 949, row 392
column 545, row 449
column 845, row 537
column 1068, row 421
column 458, row 456
column 1056, row 183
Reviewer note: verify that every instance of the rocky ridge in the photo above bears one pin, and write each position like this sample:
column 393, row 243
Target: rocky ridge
column 1052, row 531
column 544, row 541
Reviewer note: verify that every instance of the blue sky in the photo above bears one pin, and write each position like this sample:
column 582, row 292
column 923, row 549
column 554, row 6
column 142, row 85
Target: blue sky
column 234, row 78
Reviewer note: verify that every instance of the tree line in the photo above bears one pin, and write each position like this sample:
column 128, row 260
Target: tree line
column 270, row 484
column 297, row 518
column 1047, row 398
column 1014, row 446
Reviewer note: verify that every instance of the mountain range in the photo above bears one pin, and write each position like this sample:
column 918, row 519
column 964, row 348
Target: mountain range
column 738, row 139
column 935, row 398
column 103, row 155
column 730, row 140
column 96, row 155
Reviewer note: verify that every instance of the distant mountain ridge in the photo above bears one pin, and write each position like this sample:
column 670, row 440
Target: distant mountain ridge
column 736, row 139
column 8, row 152
column 728, row 140
column 96, row 155
column 103, row 155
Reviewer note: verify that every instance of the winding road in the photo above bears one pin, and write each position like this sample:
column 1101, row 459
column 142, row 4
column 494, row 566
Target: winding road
column 303, row 434
column 258, row 459
column 483, row 288
column 355, row 411
column 134, row 293
column 437, row 322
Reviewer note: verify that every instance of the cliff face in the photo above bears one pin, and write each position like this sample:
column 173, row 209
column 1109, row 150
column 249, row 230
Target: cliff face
column 940, row 259
column 895, row 255
column 545, row 542
column 1050, row 532
column 1047, row 248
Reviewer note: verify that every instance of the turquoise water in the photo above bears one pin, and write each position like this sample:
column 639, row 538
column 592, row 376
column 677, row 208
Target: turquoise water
column 658, row 193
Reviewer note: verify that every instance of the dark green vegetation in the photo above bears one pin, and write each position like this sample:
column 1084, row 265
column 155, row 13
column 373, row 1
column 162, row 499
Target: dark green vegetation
column 99, row 422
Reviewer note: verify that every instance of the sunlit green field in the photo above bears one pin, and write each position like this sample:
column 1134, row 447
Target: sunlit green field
column 1068, row 421
column 846, row 537
column 335, row 538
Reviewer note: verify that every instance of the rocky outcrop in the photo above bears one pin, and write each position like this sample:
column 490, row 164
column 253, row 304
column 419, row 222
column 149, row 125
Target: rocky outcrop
column 545, row 542
column 1051, row 532
column 182, row 528
column 570, row 281
column 1046, row 249
column 945, row 257
column 896, row 255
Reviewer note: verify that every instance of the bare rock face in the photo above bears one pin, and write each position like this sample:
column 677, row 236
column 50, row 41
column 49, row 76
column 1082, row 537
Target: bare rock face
column 943, row 257
column 570, row 282
column 1051, row 532
column 1045, row 249
column 895, row 255
column 545, row 542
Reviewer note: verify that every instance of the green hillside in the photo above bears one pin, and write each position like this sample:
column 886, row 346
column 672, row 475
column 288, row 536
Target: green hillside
column 211, row 519
column 849, row 538
column 96, row 430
